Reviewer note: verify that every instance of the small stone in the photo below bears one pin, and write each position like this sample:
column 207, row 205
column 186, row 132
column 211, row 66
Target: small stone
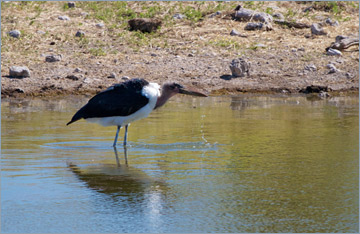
column 19, row 72
column 215, row 14
column 179, row 16
column 316, row 29
column 100, row 25
column 40, row 32
column 78, row 70
column 333, row 52
column 279, row 16
column 301, row 49
column 112, row 75
column 190, row 55
column 71, row 4
column 332, row 22
column 63, row 17
column 324, row 94
column 153, row 55
column 234, row 33
column 340, row 37
column 80, row 34
column 332, row 68
column 53, row 58
column 310, row 8
column 125, row 78
column 348, row 75
column 254, row 26
column 72, row 77
column 293, row 50
column 310, row 67
column 260, row 45
column 14, row 33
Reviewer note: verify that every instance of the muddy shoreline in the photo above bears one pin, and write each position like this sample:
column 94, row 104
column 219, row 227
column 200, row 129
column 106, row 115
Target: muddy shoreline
column 193, row 52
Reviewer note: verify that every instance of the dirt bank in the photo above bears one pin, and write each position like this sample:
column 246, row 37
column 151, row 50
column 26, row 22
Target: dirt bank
column 196, row 50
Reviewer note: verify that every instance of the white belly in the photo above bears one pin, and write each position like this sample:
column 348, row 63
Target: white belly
column 151, row 91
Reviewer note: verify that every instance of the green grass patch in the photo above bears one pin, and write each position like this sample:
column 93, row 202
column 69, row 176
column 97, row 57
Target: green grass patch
column 97, row 52
column 225, row 43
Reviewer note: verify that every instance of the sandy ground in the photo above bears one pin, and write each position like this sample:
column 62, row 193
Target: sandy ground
column 193, row 53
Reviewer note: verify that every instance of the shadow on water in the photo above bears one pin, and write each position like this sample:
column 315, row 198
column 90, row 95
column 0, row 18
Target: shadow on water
column 117, row 179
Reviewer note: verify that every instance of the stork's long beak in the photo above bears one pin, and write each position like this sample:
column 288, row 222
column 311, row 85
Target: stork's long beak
column 192, row 91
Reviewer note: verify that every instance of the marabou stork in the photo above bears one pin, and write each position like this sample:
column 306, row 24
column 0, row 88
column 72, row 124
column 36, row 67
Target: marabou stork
column 124, row 103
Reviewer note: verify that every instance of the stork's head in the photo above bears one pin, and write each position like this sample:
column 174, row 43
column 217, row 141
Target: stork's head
column 170, row 89
column 174, row 88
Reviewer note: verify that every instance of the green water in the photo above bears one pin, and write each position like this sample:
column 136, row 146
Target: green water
column 217, row 164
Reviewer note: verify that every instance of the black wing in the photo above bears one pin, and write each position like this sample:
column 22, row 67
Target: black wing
column 118, row 100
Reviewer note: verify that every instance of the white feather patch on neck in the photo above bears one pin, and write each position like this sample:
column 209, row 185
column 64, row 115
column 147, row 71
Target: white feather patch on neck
column 151, row 91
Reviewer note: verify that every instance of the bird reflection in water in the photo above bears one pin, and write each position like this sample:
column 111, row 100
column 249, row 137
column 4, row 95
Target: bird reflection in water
column 117, row 156
column 118, row 180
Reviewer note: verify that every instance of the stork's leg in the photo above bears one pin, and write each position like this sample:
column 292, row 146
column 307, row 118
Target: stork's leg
column 125, row 137
column 116, row 136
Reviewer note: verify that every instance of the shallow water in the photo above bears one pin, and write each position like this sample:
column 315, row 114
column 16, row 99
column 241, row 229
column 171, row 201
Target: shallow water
column 240, row 164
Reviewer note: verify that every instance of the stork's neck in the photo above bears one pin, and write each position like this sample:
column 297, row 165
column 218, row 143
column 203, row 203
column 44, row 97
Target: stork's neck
column 162, row 99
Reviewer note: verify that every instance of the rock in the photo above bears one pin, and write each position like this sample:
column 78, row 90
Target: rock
column 63, row 17
column 310, row 67
column 239, row 67
column 253, row 26
column 100, row 25
column 144, row 24
column 40, row 32
column 14, row 33
column 19, row 72
column 234, row 33
column 71, row 4
column 72, row 77
column 333, row 52
column 324, row 94
column 340, row 37
column 153, row 55
column 190, row 55
column 348, row 75
column 310, row 8
column 258, row 26
column 80, row 34
column 279, row 16
column 243, row 14
column 112, row 75
column 53, row 58
column 78, row 70
column 301, row 49
column 332, row 68
column 316, row 29
column 332, row 22
column 179, row 16
column 215, row 14
column 260, row 45
column 125, row 78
